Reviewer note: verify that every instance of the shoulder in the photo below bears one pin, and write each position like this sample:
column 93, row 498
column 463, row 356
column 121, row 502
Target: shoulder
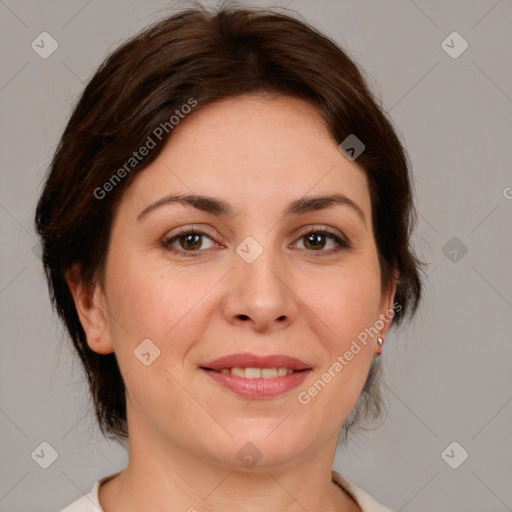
column 362, row 498
column 87, row 503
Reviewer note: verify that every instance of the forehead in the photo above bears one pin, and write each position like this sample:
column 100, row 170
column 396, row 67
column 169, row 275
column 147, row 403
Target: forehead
column 253, row 151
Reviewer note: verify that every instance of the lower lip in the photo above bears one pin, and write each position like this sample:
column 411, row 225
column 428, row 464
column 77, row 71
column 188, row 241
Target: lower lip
column 258, row 388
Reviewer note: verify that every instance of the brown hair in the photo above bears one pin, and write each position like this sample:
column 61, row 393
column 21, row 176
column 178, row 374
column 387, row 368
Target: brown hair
column 206, row 56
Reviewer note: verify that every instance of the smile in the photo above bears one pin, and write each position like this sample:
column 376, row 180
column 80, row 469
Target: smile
column 257, row 377
column 257, row 373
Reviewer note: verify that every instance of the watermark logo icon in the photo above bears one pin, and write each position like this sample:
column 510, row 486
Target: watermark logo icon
column 454, row 455
column 352, row 147
column 249, row 249
column 146, row 352
column 249, row 455
column 454, row 249
column 44, row 455
column 37, row 250
column 44, row 45
column 454, row 45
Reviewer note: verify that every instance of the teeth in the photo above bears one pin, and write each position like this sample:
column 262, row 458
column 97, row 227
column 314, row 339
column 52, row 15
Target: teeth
column 239, row 372
column 268, row 373
column 258, row 373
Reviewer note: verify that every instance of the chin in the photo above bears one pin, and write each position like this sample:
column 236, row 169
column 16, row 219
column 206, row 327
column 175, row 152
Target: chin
column 267, row 450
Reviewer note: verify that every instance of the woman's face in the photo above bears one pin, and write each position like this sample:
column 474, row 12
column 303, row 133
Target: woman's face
column 253, row 282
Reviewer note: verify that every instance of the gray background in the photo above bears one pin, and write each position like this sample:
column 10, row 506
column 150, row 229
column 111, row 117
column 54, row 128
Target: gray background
column 449, row 374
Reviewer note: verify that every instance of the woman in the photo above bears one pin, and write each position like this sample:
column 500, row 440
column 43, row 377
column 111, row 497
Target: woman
column 225, row 232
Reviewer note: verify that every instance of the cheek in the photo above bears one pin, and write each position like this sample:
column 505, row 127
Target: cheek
column 156, row 303
column 143, row 300
column 346, row 301
column 147, row 304
column 347, row 309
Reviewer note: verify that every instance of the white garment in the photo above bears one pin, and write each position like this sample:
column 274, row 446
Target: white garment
column 90, row 503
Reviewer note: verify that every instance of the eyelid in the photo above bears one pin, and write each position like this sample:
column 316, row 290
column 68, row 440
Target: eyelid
column 320, row 228
column 190, row 230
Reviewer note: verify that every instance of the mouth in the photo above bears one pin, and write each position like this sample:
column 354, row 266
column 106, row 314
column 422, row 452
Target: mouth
column 256, row 373
column 257, row 377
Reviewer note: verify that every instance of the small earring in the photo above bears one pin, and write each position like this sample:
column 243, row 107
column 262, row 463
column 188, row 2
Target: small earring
column 380, row 341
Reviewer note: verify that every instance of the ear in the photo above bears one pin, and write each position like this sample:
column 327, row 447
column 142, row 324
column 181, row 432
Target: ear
column 91, row 309
column 386, row 307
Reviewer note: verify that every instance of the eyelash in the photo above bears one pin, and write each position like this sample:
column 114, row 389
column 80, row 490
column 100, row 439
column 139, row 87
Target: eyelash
column 167, row 242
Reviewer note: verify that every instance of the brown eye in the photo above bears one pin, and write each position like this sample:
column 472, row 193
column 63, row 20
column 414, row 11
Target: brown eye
column 190, row 243
column 317, row 239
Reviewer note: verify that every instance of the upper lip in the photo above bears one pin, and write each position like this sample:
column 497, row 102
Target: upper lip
column 255, row 361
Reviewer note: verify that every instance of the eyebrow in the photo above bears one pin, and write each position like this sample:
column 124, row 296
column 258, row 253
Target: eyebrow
column 220, row 207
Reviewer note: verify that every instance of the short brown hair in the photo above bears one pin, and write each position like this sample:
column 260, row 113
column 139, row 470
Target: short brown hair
column 209, row 55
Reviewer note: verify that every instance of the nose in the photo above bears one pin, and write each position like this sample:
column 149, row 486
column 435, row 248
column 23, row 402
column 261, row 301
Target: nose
column 260, row 294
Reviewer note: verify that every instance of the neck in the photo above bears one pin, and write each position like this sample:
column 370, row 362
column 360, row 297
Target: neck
column 164, row 477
